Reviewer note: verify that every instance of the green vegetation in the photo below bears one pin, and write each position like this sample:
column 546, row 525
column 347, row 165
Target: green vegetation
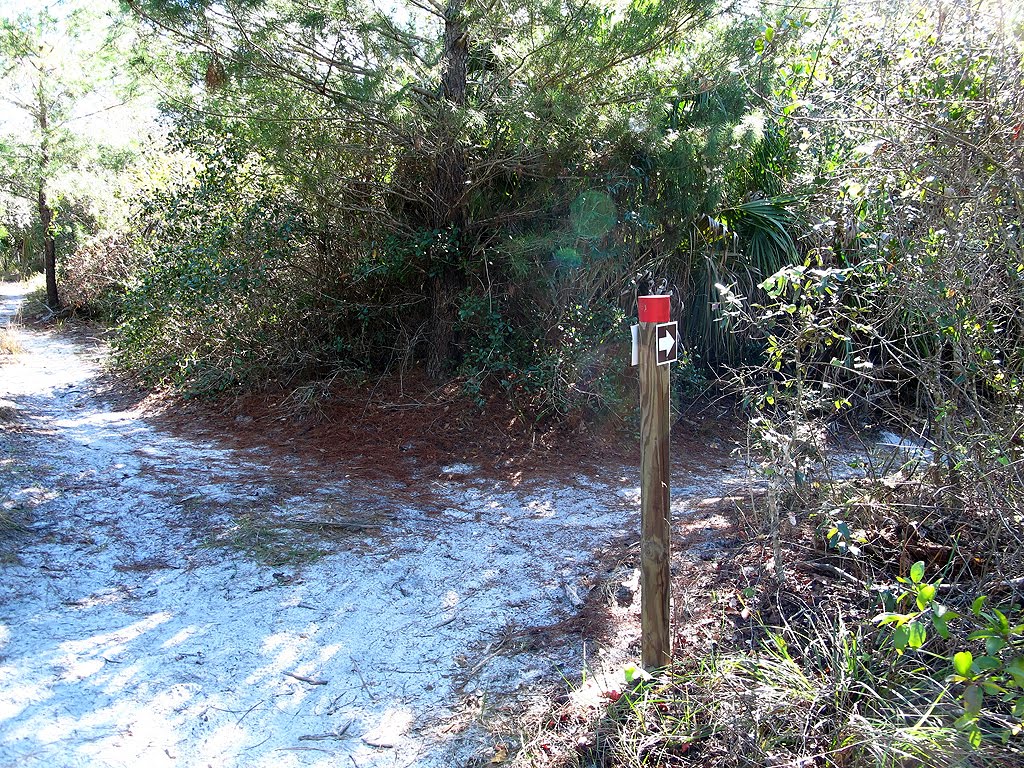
column 829, row 694
column 816, row 690
column 61, row 166
column 469, row 189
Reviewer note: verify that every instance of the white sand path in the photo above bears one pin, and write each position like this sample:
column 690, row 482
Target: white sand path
column 126, row 639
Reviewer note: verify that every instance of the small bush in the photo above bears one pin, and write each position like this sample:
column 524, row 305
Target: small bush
column 94, row 278
column 570, row 369
column 220, row 298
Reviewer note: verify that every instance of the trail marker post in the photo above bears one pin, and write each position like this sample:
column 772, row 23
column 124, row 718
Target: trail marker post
column 656, row 346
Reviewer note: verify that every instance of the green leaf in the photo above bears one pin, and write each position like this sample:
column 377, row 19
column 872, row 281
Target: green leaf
column 986, row 663
column 939, row 621
column 917, row 572
column 633, row 672
column 1004, row 623
column 1016, row 670
column 888, row 601
column 974, row 697
column 974, row 736
column 918, row 633
column 964, row 722
column 1018, row 708
column 976, row 606
column 981, row 634
column 925, row 595
column 993, row 645
column 900, row 638
column 962, row 663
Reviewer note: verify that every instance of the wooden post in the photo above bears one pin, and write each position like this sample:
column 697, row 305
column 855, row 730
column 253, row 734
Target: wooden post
column 654, row 499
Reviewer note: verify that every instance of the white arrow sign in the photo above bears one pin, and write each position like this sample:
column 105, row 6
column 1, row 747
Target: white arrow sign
column 668, row 349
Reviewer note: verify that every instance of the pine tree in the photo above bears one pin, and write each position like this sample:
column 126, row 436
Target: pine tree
column 53, row 72
column 445, row 126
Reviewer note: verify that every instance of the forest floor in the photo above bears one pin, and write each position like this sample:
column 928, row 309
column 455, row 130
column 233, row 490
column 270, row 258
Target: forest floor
column 399, row 582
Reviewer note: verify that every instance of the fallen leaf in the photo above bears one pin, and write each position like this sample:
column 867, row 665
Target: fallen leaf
column 500, row 755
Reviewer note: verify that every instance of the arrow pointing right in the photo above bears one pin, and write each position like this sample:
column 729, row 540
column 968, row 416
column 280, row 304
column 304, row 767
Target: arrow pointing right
column 666, row 342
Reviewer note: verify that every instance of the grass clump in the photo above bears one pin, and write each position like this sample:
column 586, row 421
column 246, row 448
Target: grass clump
column 825, row 694
column 9, row 344
column 266, row 542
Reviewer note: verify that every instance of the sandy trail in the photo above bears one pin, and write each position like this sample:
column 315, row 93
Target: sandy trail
column 131, row 633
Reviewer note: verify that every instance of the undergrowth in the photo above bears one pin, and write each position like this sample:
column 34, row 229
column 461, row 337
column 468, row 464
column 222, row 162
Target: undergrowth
column 33, row 307
column 827, row 694
column 837, row 684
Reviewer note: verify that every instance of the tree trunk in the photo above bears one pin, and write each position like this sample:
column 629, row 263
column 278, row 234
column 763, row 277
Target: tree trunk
column 49, row 252
column 450, row 185
column 45, row 209
column 444, row 294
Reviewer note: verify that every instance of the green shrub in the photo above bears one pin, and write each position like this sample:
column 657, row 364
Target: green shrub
column 221, row 297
